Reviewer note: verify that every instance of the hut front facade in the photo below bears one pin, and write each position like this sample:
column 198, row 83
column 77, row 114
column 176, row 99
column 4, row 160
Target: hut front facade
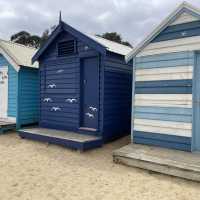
column 19, row 86
column 85, row 88
column 166, row 91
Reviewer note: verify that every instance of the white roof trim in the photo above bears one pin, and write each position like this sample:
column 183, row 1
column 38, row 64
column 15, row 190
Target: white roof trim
column 9, row 58
column 160, row 28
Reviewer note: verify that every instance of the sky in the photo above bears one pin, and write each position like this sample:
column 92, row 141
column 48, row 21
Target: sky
column 133, row 19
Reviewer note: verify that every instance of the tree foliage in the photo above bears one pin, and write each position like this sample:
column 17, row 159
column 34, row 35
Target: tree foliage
column 27, row 39
column 116, row 37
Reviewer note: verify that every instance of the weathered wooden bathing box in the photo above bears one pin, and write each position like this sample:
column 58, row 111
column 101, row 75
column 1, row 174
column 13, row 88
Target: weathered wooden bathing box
column 166, row 91
column 85, row 90
column 19, row 86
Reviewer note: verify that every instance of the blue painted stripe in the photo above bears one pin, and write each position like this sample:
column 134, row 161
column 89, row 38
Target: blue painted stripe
column 165, row 57
column 163, row 110
column 176, row 31
column 164, row 87
column 167, row 63
column 164, row 117
column 164, row 83
column 167, row 141
column 164, row 114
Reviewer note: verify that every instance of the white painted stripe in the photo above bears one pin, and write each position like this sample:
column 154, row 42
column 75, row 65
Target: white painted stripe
column 177, row 45
column 164, row 100
column 168, row 73
column 164, row 96
column 163, row 127
column 184, row 18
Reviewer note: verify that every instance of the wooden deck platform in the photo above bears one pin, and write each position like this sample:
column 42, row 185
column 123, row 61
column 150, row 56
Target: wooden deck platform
column 171, row 162
column 6, row 125
column 68, row 139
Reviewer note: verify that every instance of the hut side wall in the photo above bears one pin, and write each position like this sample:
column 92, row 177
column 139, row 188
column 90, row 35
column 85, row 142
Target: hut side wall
column 117, row 96
column 28, row 96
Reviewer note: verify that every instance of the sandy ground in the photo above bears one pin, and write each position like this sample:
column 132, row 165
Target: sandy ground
column 33, row 170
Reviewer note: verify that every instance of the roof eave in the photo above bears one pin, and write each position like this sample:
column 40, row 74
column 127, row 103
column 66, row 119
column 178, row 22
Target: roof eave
column 9, row 58
column 63, row 26
column 179, row 10
column 43, row 48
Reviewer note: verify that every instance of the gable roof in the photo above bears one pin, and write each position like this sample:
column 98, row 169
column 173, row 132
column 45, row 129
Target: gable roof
column 98, row 43
column 183, row 8
column 112, row 46
column 17, row 54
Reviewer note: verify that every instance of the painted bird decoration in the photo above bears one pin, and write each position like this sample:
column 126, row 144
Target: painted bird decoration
column 71, row 100
column 55, row 109
column 52, row 86
column 89, row 115
column 47, row 100
column 60, row 71
column 93, row 109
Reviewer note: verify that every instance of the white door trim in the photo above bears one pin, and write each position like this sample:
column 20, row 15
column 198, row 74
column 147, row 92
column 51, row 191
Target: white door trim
column 4, row 92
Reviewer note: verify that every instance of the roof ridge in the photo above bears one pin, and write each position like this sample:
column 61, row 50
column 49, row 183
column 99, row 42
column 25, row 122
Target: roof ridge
column 17, row 44
column 112, row 41
column 163, row 23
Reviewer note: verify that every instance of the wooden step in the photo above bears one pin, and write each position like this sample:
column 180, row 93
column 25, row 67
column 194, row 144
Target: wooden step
column 65, row 138
column 6, row 125
column 162, row 160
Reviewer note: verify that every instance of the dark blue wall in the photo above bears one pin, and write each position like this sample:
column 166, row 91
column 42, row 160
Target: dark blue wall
column 117, row 97
column 67, row 85
column 114, row 90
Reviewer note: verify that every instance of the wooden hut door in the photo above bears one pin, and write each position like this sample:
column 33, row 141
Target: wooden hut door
column 3, row 92
column 90, row 93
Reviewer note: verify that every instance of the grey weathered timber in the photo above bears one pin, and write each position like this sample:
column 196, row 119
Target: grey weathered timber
column 167, row 161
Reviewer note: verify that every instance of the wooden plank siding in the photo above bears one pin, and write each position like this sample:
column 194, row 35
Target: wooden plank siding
column 169, row 46
column 59, row 81
column 163, row 100
column 12, row 87
column 117, row 97
column 178, row 31
column 185, row 18
column 28, row 96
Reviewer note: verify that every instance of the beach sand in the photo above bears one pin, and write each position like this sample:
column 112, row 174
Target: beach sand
column 32, row 170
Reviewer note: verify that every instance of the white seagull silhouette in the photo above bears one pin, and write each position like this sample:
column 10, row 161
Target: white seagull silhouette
column 47, row 100
column 71, row 100
column 93, row 109
column 60, row 71
column 52, row 86
column 55, row 109
column 89, row 115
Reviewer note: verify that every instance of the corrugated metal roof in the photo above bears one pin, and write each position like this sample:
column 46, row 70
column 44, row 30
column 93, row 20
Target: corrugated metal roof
column 112, row 46
column 21, row 54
